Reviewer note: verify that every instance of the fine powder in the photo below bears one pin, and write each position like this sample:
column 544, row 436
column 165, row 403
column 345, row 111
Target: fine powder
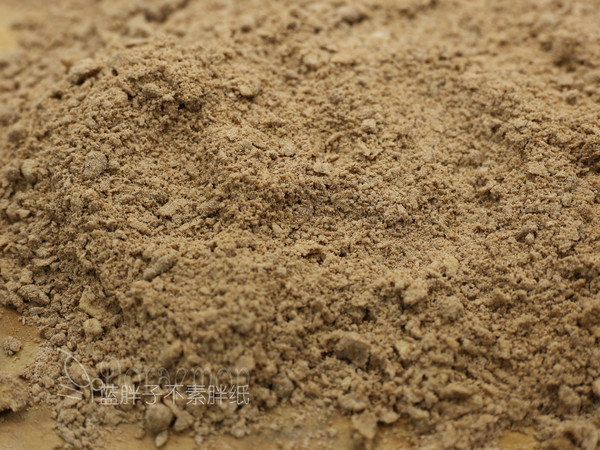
column 385, row 209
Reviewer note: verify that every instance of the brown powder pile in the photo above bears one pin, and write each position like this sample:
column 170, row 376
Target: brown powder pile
column 384, row 208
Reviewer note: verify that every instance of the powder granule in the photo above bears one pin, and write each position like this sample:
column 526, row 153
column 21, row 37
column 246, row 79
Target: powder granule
column 416, row 292
column 385, row 209
column 13, row 393
column 11, row 345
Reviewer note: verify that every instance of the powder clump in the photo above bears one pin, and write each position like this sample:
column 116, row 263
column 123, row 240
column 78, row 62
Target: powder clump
column 13, row 393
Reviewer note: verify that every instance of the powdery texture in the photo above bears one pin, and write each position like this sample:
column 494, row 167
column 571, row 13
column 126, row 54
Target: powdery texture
column 387, row 208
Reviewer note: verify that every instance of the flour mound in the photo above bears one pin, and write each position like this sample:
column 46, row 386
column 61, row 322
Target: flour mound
column 383, row 211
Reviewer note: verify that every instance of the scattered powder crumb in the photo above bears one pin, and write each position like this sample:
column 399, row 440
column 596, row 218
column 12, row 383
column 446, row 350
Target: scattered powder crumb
column 92, row 328
column 11, row 345
column 158, row 418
